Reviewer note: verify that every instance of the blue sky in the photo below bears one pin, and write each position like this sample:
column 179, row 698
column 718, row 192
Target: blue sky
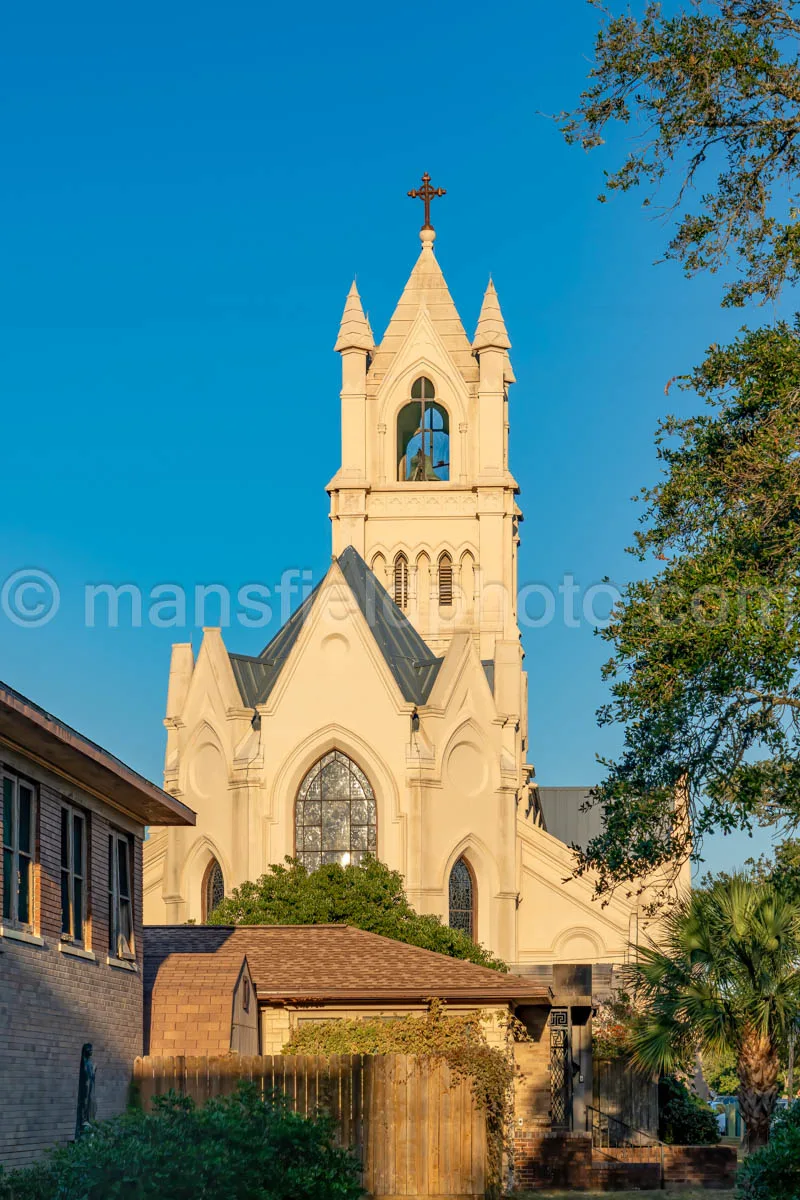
column 188, row 192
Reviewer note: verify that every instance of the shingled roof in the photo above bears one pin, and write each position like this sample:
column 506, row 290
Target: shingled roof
column 409, row 658
column 321, row 963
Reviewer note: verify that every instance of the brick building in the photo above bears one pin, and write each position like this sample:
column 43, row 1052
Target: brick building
column 72, row 824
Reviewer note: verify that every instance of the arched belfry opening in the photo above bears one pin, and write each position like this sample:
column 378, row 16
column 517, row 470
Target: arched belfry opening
column 213, row 888
column 400, row 581
column 463, row 898
column 336, row 819
column 423, row 437
column 445, row 580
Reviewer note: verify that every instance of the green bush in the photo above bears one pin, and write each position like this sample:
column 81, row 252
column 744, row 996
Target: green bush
column 774, row 1172
column 367, row 895
column 683, row 1118
column 238, row 1147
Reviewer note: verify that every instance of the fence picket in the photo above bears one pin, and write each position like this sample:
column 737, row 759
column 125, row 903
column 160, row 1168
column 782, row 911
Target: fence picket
column 416, row 1129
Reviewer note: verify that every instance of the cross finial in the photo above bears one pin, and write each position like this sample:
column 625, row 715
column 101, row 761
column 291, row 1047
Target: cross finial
column 426, row 193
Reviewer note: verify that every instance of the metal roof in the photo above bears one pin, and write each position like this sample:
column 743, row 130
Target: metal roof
column 411, row 661
column 563, row 818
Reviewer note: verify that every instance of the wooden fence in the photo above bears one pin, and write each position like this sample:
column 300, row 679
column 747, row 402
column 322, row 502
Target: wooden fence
column 629, row 1097
column 415, row 1128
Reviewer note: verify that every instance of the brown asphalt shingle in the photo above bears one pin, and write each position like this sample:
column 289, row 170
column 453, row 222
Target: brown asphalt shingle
column 319, row 962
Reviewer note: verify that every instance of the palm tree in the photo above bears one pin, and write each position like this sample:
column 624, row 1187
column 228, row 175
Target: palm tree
column 724, row 978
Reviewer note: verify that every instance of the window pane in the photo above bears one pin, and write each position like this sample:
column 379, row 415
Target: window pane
column 112, row 926
column 77, row 844
column 122, row 857
column 8, row 813
column 64, row 838
column 25, row 819
column 126, row 926
column 336, row 825
column 8, row 869
column 77, row 885
column 24, row 896
column 66, row 926
column 358, row 837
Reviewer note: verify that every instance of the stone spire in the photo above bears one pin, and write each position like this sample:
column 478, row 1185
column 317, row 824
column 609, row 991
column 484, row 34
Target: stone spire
column 491, row 331
column 354, row 331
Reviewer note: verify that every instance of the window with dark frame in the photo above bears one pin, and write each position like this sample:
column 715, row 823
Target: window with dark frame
column 19, row 845
column 120, row 898
column 73, row 875
column 462, row 899
column 213, row 888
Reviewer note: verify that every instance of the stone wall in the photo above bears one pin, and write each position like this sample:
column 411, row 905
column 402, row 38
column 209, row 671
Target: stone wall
column 53, row 998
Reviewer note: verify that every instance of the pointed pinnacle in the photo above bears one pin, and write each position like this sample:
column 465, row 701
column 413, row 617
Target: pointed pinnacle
column 491, row 331
column 354, row 331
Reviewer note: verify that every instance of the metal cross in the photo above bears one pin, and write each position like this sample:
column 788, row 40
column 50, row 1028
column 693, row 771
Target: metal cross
column 426, row 193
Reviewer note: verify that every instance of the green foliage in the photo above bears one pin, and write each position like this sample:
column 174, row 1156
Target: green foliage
column 458, row 1040
column 774, row 1172
column 683, row 1118
column 368, row 896
column 612, row 1027
column 233, row 1148
column 782, row 870
column 724, row 982
column 719, row 1072
column 715, row 89
column 705, row 670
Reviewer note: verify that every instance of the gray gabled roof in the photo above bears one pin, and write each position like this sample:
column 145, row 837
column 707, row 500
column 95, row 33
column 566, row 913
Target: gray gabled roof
column 566, row 818
column 409, row 658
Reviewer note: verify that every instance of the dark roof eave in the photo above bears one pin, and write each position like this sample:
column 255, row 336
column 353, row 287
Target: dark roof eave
column 407, row 995
column 29, row 728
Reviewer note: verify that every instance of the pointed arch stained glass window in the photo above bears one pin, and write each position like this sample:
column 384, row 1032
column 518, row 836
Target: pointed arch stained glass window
column 462, row 899
column 335, row 814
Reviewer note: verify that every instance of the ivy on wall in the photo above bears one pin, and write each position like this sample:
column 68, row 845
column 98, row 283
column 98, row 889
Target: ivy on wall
column 438, row 1035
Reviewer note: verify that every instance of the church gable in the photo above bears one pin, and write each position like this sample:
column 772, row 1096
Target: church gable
column 411, row 663
column 353, row 638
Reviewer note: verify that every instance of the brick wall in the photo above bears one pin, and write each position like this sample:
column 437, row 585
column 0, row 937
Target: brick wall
column 51, row 1002
column 552, row 1160
column 691, row 1166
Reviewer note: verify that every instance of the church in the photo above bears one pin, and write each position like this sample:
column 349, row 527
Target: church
column 389, row 715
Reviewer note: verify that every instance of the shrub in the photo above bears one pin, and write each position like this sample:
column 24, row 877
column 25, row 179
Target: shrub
column 774, row 1172
column 683, row 1118
column 239, row 1147
column 367, row 895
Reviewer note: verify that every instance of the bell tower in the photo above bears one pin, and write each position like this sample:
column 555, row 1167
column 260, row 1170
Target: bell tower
column 424, row 492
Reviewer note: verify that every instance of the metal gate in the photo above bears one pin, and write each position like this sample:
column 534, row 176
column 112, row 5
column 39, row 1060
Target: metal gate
column 560, row 1070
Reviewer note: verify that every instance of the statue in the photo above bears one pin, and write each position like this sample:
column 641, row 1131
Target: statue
column 87, row 1104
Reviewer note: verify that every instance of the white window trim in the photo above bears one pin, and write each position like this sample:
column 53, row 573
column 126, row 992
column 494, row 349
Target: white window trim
column 11, row 922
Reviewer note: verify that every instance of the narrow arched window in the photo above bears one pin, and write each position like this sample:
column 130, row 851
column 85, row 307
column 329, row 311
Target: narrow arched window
column 445, row 579
column 401, row 581
column 213, row 888
column 335, row 814
column 462, row 898
column 423, row 437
